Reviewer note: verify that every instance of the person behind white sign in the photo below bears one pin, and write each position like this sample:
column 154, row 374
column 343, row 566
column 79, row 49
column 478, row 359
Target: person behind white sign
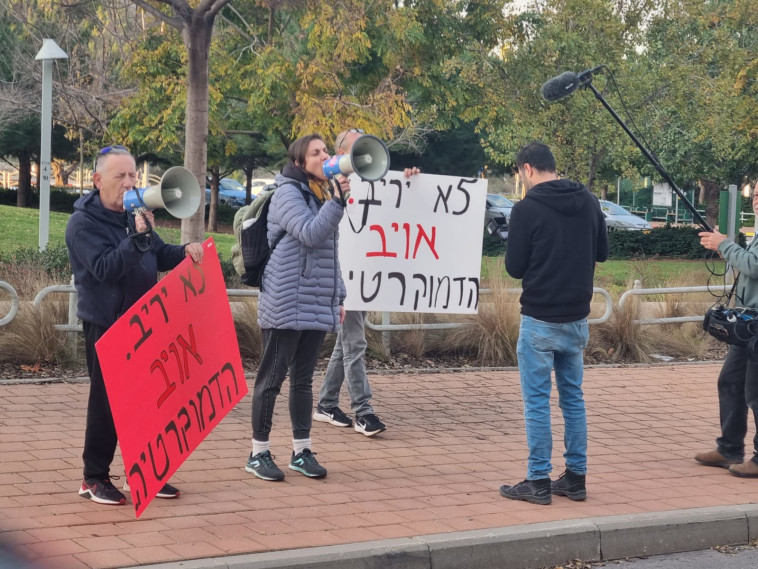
column 300, row 301
column 348, row 361
column 115, row 258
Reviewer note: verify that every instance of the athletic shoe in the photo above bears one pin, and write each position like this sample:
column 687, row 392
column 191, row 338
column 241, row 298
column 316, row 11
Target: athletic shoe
column 167, row 492
column 306, row 463
column 534, row 491
column 369, row 425
column 101, row 492
column 263, row 466
column 334, row 415
column 571, row 485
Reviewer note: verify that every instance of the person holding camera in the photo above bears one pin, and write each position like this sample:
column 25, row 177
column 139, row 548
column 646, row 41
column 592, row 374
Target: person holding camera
column 738, row 380
column 115, row 258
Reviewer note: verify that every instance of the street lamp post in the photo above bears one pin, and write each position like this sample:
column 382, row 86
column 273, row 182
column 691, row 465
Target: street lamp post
column 50, row 51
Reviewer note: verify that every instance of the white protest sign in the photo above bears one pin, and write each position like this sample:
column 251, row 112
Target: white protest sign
column 413, row 244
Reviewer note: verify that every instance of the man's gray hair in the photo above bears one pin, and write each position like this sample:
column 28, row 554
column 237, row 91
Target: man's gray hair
column 114, row 151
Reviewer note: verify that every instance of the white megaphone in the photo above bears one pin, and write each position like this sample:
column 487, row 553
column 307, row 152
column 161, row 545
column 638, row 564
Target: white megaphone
column 178, row 193
column 369, row 158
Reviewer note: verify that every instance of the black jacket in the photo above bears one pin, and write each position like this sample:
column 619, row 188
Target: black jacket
column 110, row 271
column 556, row 235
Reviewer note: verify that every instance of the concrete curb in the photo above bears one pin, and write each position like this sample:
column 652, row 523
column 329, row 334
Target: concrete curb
column 530, row 546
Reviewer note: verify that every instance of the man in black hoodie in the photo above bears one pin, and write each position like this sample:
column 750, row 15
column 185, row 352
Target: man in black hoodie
column 115, row 258
column 556, row 235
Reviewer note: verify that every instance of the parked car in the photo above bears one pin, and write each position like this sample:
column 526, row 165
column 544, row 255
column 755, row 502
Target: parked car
column 617, row 218
column 230, row 193
column 257, row 185
column 497, row 207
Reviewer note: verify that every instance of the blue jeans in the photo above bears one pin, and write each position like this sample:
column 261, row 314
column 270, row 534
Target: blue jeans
column 348, row 362
column 542, row 347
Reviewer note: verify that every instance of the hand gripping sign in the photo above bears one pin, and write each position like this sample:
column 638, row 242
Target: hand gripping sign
column 413, row 244
column 172, row 369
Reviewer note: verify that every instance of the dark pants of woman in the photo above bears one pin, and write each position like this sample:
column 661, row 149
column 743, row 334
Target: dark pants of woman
column 100, row 438
column 298, row 351
column 738, row 391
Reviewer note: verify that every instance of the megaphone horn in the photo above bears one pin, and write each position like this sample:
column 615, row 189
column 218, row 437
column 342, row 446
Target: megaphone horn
column 369, row 158
column 178, row 193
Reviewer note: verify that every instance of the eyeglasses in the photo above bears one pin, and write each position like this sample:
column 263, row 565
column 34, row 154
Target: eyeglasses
column 341, row 139
column 105, row 150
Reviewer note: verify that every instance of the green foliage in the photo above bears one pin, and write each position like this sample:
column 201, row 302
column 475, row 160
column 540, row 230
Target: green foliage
column 668, row 241
column 493, row 246
column 53, row 261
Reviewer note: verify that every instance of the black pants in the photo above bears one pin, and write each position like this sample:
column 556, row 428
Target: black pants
column 100, row 438
column 298, row 351
column 738, row 391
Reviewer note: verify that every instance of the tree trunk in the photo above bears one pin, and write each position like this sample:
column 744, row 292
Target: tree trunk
column 213, row 208
column 197, row 38
column 248, row 183
column 24, row 192
column 604, row 192
column 711, row 190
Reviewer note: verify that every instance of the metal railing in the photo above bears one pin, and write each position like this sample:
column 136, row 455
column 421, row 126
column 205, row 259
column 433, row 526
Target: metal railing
column 670, row 290
column 385, row 326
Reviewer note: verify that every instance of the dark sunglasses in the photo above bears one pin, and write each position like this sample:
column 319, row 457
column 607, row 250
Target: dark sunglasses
column 105, row 150
column 338, row 144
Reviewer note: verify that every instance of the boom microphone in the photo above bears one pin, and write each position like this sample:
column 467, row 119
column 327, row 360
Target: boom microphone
column 566, row 83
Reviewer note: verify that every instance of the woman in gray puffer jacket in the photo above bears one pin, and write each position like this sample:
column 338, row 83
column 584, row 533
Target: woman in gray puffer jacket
column 300, row 301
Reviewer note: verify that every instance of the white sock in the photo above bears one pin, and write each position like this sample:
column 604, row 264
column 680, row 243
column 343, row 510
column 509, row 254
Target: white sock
column 299, row 445
column 260, row 446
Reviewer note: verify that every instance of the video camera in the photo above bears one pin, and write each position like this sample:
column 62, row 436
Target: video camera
column 734, row 326
column 498, row 226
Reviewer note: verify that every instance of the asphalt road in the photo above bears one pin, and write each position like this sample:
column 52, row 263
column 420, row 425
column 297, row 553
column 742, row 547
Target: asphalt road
column 725, row 557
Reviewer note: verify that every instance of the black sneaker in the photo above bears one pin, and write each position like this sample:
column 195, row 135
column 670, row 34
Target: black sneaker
column 167, row 492
column 263, row 466
column 335, row 416
column 101, row 492
column 534, row 491
column 571, row 485
column 369, row 425
column 306, row 463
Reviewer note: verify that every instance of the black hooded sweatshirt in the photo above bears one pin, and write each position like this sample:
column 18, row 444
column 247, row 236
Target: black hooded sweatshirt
column 111, row 270
column 556, row 235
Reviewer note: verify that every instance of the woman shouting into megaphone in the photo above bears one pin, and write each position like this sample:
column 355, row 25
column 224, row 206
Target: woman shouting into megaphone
column 300, row 301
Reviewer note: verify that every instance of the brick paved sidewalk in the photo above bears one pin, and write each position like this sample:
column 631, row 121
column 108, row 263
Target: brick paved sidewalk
column 452, row 440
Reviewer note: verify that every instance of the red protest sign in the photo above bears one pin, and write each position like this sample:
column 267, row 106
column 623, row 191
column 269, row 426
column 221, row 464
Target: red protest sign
column 172, row 369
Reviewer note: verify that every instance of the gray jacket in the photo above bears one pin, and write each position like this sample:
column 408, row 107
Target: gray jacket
column 746, row 262
column 302, row 284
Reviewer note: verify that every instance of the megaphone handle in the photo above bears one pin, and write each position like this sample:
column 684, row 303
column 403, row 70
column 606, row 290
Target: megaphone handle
column 141, row 211
column 342, row 197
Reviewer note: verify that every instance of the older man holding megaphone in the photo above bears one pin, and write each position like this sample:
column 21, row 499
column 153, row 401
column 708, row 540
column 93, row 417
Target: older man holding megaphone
column 115, row 257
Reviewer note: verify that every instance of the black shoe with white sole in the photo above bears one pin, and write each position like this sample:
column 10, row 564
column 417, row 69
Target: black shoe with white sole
column 333, row 416
column 369, row 425
column 101, row 492
column 168, row 492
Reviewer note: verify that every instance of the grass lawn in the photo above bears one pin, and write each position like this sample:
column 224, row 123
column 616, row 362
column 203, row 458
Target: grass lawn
column 19, row 229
